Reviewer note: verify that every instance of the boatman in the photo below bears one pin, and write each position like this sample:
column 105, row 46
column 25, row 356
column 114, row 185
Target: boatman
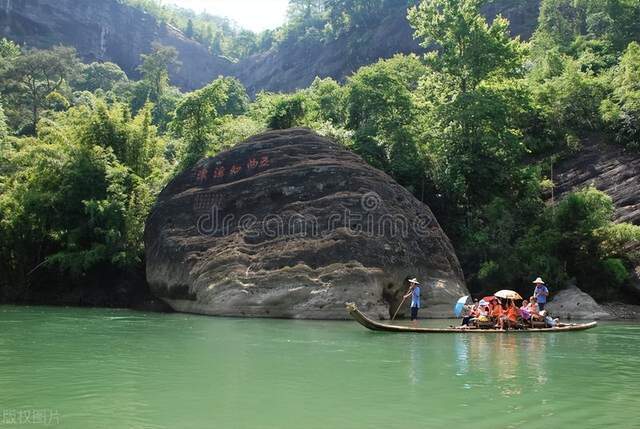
column 540, row 293
column 414, row 293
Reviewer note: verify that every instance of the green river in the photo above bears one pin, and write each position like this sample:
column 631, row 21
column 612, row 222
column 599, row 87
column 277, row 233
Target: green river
column 99, row 368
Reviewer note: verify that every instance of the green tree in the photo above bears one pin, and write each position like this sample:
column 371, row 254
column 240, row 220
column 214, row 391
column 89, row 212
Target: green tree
column 569, row 103
column 472, row 108
column 189, row 31
column 288, row 111
column 3, row 123
column 8, row 52
column 76, row 197
column 94, row 76
column 37, row 73
column 198, row 114
column 381, row 110
column 578, row 26
column 305, row 12
column 469, row 50
column 155, row 68
column 327, row 101
column 621, row 110
column 347, row 14
column 583, row 220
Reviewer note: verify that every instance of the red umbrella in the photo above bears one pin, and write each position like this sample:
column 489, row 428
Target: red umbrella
column 490, row 298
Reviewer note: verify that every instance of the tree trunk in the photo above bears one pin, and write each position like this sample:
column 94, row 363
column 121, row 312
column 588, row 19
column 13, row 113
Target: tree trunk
column 35, row 118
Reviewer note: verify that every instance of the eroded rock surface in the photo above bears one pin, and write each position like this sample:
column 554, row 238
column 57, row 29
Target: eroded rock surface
column 612, row 170
column 290, row 224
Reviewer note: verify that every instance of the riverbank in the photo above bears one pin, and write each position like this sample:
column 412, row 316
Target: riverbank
column 102, row 289
column 620, row 311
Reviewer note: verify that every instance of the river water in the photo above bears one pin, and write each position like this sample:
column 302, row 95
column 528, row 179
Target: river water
column 97, row 368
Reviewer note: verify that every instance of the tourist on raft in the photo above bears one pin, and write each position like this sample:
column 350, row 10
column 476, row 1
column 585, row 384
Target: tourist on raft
column 524, row 310
column 540, row 293
column 509, row 318
column 548, row 320
column 472, row 313
column 534, row 310
column 414, row 293
column 505, row 315
column 496, row 311
column 483, row 314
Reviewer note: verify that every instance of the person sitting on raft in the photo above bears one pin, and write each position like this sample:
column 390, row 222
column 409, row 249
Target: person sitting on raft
column 483, row 315
column 497, row 312
column 472, row 313
column 533, row 310
column 548, row 320
column 525, row 315
column 510, row 317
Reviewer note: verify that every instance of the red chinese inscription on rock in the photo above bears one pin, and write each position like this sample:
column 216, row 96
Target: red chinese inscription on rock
column 201, row 175
column 218, row 173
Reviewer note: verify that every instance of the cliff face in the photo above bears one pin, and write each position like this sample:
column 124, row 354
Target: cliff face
column 611, row 170
column 290, row 224
column 106, row 31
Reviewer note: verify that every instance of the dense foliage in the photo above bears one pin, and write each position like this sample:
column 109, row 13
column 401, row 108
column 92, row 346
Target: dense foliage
column 471, row 129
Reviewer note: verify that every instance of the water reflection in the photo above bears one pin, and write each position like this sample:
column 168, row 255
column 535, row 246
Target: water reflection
column 535, row 348
column 511, row 363
column 415, row 360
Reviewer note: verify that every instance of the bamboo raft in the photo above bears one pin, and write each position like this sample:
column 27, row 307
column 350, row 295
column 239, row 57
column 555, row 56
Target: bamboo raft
column 368, row 323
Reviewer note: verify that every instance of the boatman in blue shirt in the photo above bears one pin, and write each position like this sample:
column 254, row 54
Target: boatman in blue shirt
column 540, row 293
column 414, row 293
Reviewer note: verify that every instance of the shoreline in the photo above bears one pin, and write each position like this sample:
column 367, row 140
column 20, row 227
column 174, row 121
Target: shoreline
column 619, row 312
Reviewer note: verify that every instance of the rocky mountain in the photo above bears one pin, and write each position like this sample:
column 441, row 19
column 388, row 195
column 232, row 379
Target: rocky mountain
column 107, row 30
column 291, row 224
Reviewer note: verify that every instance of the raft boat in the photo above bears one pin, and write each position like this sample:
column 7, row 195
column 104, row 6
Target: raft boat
column 368, row 323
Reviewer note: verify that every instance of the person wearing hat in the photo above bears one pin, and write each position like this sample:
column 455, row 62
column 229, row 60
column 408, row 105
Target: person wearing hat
column 540, row 293
column 414, row 293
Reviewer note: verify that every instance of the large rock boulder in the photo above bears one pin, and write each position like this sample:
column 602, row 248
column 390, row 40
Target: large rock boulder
column 572, row 303
column 290, row 224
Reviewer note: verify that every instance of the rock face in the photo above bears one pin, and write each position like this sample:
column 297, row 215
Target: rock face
column 290, row 224
column 572, row 303
column 106, row 30
column 611, row 170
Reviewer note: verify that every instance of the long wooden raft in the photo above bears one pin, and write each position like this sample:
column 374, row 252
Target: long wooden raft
column 362, row 319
